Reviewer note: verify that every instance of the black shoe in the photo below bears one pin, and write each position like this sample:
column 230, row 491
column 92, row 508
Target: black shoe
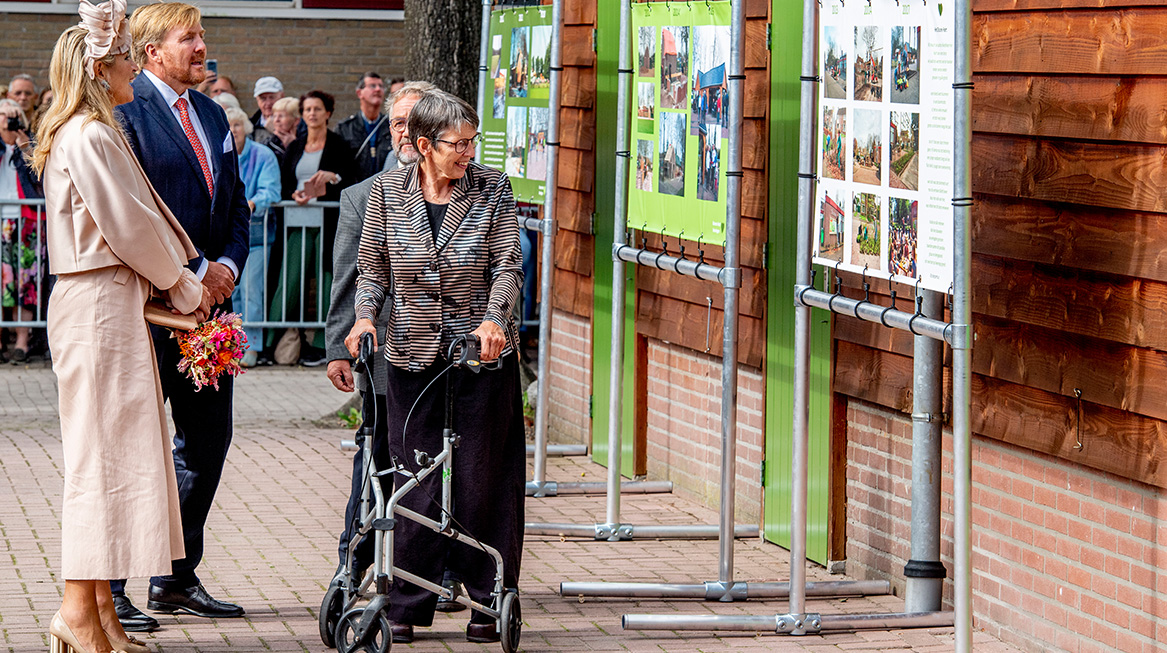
column 194, row 600
column 402, row 633
column 450, row 606
column 313, row 357
column 133, row 620
column 482, row 633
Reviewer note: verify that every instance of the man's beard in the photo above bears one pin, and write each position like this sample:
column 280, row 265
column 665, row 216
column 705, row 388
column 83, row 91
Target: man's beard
column 181, row 74
column 406, row 157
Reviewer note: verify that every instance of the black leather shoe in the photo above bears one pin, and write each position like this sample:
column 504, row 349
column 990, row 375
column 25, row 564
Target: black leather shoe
column 194, row 600
column 402, row 633
column 450, row 606
column 482, row 633
column 133, row 620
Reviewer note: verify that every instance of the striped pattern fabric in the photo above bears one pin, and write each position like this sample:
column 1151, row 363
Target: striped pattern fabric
column 438, row 290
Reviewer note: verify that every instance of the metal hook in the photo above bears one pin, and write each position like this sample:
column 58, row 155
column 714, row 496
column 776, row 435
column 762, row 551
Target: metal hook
column 866, row 285
column 838, row 279
column 1078, row 446
column 681, row 243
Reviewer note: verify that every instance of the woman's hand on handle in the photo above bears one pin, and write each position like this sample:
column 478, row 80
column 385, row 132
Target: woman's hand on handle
column 353, row 340
column 493, row 340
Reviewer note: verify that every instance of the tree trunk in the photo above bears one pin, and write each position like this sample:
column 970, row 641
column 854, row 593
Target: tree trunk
column 445, row 44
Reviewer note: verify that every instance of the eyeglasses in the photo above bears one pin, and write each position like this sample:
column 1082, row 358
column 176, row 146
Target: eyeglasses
column 462, row 145
column 398, row 125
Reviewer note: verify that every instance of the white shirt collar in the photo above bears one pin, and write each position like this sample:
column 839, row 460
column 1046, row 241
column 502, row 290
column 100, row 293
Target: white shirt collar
column 165, row 91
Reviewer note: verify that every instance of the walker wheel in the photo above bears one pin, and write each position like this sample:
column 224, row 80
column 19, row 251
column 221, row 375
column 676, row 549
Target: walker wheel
column 377, row 639
column 330, row 609
column 510, row 621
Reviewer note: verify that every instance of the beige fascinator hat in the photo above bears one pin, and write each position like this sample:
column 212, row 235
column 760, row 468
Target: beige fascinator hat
column 109, row 31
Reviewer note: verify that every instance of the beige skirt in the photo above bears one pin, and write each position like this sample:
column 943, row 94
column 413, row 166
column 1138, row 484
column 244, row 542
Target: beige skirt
column 120, row 515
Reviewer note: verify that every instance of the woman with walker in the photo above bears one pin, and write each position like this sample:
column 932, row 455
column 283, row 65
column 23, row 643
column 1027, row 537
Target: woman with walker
column 442, row 240
column 112, row 242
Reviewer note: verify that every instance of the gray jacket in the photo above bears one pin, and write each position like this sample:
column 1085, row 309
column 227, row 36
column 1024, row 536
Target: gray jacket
column 341, row 313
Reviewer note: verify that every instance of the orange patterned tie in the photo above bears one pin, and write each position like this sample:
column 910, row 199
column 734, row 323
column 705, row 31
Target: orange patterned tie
column 187, row 127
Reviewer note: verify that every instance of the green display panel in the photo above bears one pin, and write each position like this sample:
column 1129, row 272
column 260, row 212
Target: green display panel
column 680, row 114
column 518, row 112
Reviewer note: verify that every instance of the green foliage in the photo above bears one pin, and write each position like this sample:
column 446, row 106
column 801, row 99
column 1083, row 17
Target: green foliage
column 351, row 419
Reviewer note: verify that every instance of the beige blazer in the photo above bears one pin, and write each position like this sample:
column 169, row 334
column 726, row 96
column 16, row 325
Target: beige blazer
column 102, row 211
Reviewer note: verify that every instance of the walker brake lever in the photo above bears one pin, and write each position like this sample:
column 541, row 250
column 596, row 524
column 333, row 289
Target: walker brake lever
column 464, row 350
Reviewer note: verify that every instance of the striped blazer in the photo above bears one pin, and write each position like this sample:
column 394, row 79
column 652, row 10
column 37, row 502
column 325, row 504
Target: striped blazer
column 438, row 290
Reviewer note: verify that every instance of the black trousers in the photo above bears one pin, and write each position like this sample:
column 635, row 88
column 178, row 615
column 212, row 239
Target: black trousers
column 203, row 429
column 488, row 481
column 363, row 553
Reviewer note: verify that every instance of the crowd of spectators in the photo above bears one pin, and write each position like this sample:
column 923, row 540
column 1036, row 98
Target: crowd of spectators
column 287, row 151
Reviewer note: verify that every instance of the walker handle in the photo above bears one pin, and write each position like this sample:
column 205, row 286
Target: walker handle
column 366, row 353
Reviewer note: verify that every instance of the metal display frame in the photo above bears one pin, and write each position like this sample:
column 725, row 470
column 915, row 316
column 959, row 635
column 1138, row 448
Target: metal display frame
column 924, row 571
column 725, row 589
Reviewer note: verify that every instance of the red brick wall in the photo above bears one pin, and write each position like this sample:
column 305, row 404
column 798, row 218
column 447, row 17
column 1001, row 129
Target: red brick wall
column 571, row 378
column 304, row 54
column 1065, row 558
column 684, row 427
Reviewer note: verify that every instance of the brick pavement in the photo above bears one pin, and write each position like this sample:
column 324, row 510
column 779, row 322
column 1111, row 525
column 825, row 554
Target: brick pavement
column 271, row 544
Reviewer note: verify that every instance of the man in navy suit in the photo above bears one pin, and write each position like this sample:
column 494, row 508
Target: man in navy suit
column 184, row 143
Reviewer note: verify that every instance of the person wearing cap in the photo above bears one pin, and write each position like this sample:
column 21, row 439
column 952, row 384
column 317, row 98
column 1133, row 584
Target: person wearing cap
column 367, row 131
column 267, row 91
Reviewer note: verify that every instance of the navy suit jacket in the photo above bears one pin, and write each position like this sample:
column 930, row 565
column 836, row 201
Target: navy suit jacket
column 218, row 226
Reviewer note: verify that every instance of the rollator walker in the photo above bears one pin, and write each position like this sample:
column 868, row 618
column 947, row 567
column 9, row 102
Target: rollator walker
column 354, row 628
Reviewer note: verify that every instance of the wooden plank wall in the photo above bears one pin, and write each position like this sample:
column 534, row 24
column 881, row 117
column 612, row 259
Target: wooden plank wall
column 1069, row 239
column 674, row 308
column 575, row 198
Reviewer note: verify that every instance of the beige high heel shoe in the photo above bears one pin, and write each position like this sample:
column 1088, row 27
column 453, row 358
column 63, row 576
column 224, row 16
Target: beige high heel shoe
column 130, row 645
column 61, row 639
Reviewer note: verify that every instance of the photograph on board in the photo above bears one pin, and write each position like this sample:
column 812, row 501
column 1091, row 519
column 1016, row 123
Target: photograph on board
column 829, row 244
column 709, row 165
column 905, row 65
column 867, row 144
column 903, row 145
column 835, row 82
column 645, row 100
column 868, row 63
column 537, row 119
column 520, row 61
column 646, row 51
column 902, row 237
column 835, row 143
column 516, row 140
column 672, row 154
column 710, row 58
column 865, row 231
column 540, row 86
column 674, row 67
column 644, row 165
column 498, row 75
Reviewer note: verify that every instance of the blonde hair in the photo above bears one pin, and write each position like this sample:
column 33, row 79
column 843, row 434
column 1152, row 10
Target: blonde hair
column 151, row 23
column 288, row 105
column 73, row 92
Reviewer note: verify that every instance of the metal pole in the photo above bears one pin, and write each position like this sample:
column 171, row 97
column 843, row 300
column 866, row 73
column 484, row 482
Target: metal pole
column 715, row 592
column 729, row 365
column 924, row 571
column 784, row 625
column 616, row 371
column 798, row 514
column 962, row 319
column 483, row 67
column 547, row 266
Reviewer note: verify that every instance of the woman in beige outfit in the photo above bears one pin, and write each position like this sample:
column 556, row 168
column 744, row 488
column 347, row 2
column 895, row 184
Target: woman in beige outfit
column 112, row 242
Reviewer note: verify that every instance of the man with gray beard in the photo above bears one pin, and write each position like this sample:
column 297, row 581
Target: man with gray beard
column 341, row 316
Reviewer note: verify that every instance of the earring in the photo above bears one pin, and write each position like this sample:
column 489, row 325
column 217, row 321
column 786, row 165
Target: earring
column 104, row 85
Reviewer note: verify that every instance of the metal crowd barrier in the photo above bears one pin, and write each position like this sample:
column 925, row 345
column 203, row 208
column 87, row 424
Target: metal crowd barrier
column 301, row 225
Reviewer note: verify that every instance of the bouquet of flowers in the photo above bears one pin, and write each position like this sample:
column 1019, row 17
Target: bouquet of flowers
column 212, row 349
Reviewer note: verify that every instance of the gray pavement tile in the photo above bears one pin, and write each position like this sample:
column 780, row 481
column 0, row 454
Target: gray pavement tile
column 271, row 544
